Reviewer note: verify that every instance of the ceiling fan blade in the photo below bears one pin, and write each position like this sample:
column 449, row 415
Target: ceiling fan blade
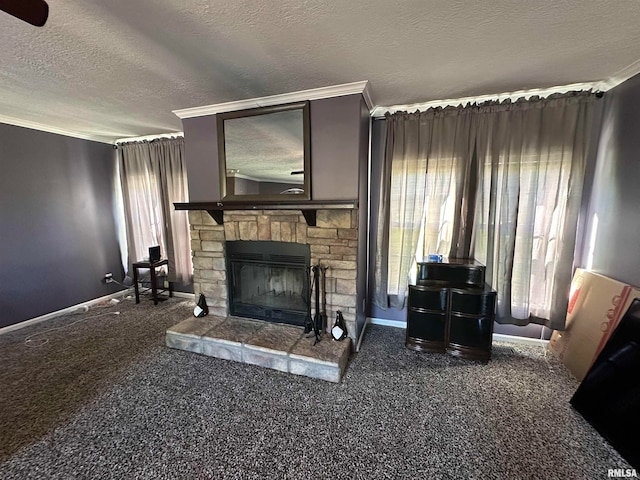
column 34, row 12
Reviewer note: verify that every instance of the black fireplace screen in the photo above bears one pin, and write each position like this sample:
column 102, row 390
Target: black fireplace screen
column 268, row 280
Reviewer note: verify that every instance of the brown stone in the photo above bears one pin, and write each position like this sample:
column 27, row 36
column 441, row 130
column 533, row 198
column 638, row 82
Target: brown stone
column 217, row 234
column 204, row 263
column 327, row 241
column 286, row 232
column 264, row 228
column 211, row 254
column 316, row 232
column 234, row 217
column 245, row 213
column 344, row 274
column 340, row 250
column 348, row 233
column 219, row 264
column 347, row 287
column 334, row 218
column 230, row 231
column 337, row 299
column 248, row 230
column 342, row 265
column 207, row 219
column 329, row 256
column 213, row 290
column 318, row 249
column 275, row 231
column 301, row 232
column 195, row 234
column 195, row 217
column 195, row 245
column 207, row 275
column 218, row 311
column 279, row 217
column 212, row 246
column 330, row 285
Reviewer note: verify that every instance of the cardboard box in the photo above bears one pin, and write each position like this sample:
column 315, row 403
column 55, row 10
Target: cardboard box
column 596, row 305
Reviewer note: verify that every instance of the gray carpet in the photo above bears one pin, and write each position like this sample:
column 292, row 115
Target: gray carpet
column 105, row 399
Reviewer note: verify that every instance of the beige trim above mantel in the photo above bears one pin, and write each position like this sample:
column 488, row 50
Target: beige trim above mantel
column 308, row 208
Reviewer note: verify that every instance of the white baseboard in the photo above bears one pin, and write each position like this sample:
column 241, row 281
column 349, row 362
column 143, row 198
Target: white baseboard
column 387, row 323
column 71, row 309
column 497, row 337
column 190, row 296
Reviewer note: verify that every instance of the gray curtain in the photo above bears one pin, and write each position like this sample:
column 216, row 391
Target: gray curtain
column 153, row 177
column 503, row 184
column 531, row 164
column 413, row 202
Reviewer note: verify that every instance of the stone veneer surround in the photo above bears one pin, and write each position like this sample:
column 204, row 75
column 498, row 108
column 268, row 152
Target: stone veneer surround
column 333, row 243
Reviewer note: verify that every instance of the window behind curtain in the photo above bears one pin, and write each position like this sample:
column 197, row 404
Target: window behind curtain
column 153, row 178
column 436, row 223
column 503, row 184
column 537, row 189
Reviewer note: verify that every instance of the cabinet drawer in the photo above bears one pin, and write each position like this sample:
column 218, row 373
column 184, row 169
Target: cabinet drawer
column 429, row 298
column 473, row 302
column 426, row 326
column 470, row 332
column 453, row 274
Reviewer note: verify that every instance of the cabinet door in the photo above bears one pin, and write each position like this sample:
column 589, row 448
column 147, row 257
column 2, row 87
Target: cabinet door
column 428, row 298
column 470, row 332
column 473, row 302
column 426, row 326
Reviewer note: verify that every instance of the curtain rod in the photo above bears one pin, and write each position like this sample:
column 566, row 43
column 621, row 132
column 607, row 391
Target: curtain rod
column 379, row 112
column 148, row 138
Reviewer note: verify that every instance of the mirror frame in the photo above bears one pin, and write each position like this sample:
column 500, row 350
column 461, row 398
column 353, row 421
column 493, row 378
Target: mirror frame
column 252, row 112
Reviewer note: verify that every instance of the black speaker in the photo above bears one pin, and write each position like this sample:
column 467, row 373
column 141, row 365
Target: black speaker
column 154, row 254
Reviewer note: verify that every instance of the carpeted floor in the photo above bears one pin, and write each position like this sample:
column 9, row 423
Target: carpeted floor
column 105, row 399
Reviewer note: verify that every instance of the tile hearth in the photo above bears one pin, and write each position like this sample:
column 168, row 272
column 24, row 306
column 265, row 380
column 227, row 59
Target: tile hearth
column 271, row 345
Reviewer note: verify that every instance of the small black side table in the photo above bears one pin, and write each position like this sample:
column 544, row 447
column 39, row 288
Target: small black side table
column 152, row 270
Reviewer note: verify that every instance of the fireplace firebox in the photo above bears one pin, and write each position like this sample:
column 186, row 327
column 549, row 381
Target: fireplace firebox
column 268, row 280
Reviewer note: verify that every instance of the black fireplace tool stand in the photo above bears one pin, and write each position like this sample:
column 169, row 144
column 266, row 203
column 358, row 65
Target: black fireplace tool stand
column 317, row 323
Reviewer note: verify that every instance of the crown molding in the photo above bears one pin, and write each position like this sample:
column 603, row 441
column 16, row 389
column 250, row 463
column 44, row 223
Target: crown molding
column 17, row 122
column 366, row 94
column 302, row 95
column 620, row 76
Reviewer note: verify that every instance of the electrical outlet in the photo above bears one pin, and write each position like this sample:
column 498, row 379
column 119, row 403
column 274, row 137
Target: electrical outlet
column 108, row 278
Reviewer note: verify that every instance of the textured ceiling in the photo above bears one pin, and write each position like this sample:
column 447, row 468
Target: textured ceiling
column 114, row 69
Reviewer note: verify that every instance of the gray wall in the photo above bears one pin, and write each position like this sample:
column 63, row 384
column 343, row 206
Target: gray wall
column 335, row 147
column 363, row 217
column 615, row 197
column 57, row 228
column 335, row 151
column 201, row 158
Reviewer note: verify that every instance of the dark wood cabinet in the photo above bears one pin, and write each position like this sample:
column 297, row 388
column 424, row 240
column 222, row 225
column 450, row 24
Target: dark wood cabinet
column 451, row 309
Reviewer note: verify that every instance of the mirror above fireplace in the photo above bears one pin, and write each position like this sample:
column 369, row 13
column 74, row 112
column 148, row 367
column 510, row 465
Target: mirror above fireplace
column 264, row 153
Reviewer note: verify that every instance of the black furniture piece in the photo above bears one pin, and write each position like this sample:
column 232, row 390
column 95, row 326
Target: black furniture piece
column 609, row 396
column 451, row 310
column 152, row 266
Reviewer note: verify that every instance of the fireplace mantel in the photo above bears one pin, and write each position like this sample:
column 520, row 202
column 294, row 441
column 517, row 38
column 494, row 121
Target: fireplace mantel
column 308, row 208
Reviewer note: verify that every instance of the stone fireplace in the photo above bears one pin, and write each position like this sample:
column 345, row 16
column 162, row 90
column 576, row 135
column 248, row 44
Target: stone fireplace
column 332, row 243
